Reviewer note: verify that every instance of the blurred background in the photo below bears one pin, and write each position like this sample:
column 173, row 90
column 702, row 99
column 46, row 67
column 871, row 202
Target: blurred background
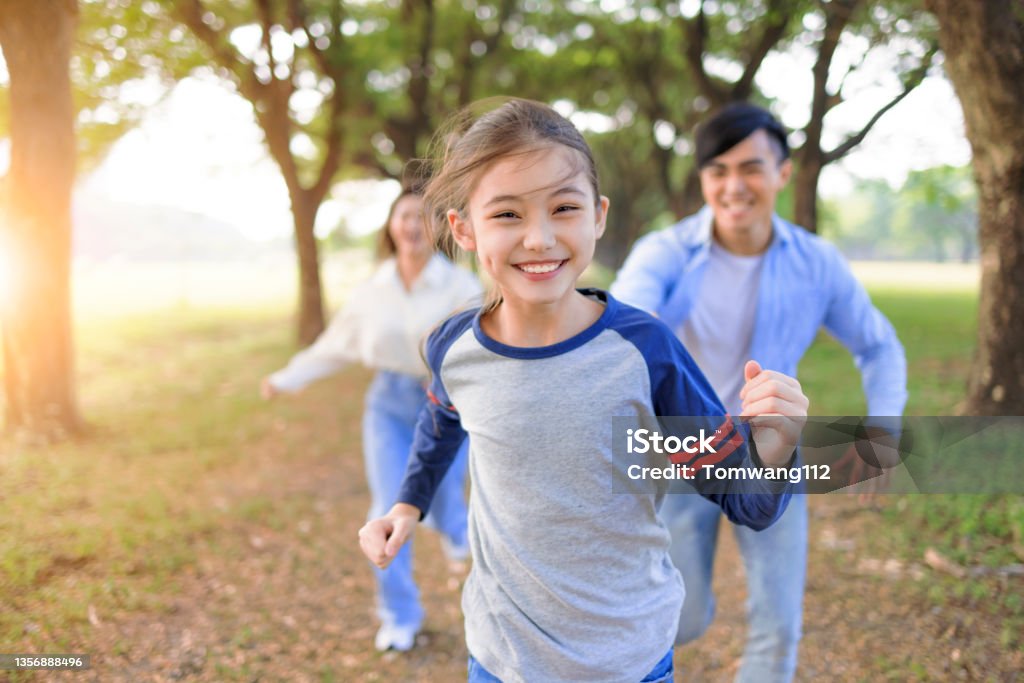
column 189, row 188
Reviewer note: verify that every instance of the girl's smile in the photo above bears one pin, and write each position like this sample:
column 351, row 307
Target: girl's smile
column 541, row 270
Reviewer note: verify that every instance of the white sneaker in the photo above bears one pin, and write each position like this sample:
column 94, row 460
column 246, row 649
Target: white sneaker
column 400, row 638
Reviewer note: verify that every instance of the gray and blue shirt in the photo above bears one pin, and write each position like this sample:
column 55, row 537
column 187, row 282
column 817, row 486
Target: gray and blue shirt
column 570, row 580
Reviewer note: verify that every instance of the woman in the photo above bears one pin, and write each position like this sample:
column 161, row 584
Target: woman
column 382, row 326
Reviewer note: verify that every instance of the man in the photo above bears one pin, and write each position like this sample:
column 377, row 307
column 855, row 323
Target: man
column 735, row 281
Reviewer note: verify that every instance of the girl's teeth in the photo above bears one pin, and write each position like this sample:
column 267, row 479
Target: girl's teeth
column 538, row 268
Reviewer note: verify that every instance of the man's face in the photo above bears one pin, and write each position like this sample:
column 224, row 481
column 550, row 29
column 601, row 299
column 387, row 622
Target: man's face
column 740, row 186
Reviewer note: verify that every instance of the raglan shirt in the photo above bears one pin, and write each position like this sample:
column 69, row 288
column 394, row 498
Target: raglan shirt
column 570, row 580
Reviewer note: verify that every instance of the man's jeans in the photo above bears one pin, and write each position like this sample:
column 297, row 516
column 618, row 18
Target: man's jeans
column 776, row 563
column 661, row 673
column 393, row 403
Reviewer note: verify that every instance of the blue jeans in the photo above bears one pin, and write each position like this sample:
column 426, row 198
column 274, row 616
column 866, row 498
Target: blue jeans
column 393, row 403
column 776, row 564
column 661, row 673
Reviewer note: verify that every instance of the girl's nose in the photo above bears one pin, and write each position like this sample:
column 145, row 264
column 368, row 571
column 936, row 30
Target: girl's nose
column 540, row 235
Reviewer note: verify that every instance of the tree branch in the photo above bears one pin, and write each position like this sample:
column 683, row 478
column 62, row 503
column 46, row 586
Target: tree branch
column 467, row 63
column 837, row 15
column 191, row 13
column 266, row 22
column 837, row 98
column 419, row 66
column 298, row 19
column 696, row 33
column 332, row 158
column 774, row 31
column 914, row 79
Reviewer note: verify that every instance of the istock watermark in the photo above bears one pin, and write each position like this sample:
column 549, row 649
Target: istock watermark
column 646, row 440
column 919, row 454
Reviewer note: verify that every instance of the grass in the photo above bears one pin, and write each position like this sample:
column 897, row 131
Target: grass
column 937, row 330
column 108, row 522
column 937, row 333
column 170, row 401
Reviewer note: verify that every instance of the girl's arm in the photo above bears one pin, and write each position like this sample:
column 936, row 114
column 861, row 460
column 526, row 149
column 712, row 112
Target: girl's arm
column 439, row 435
column 679, row 388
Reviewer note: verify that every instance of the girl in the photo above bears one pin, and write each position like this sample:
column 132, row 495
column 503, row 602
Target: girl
column 569, row 581
column 382, row 327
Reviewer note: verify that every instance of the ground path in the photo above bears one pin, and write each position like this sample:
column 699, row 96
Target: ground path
column 278, row 591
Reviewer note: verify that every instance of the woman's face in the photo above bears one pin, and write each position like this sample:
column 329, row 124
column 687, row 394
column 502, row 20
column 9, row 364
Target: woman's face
column 407, row 229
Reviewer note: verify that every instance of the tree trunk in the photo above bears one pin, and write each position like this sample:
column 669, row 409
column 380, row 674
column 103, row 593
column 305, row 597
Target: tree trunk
column 311, row 305
column 36, row 234
column 984, row 47
column 805, row 189
column 690, row 199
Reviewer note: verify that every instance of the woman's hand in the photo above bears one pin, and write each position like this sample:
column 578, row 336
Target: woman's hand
column 267, row 389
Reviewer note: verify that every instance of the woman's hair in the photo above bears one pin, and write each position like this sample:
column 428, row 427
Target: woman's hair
column 385, row 243
column 481, row 134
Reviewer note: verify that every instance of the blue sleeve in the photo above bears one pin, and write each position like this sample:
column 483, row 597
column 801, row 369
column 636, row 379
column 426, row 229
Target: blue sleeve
column 679, row 388
column 870, row 337
column 439, row 432
column 650, row 272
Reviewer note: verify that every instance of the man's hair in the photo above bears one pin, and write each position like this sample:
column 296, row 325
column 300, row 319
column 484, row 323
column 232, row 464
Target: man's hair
column 733, row 124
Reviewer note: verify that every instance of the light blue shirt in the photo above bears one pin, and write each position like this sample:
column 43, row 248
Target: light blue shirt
column 805, row 284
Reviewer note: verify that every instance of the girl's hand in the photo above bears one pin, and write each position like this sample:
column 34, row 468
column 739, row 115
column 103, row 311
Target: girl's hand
column 380, row 539
column 777, row 407
column 267, row 390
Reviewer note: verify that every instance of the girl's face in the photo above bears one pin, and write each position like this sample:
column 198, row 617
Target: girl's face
column 407, row 229
column 533, row 222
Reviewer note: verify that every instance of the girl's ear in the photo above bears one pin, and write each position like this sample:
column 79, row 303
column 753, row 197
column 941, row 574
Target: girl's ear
column 462, row 231
column 602, row 216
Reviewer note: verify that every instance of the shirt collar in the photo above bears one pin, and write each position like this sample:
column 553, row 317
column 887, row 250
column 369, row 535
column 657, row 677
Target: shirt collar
column 433, row 275
column 701, row 237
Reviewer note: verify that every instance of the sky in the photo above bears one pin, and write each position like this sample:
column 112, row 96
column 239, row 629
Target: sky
column 200, row 149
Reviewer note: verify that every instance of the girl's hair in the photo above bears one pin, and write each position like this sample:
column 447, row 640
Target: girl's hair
column 385, row 243
column 481, row 134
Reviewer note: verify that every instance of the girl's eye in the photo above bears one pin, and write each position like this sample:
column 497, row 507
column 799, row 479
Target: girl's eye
column 505, row 214
column 566, row 207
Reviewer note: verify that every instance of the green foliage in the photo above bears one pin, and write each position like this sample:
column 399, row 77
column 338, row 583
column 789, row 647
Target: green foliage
column 932, row 216
column 942, row 212
column 126, row 57
column 384, row 75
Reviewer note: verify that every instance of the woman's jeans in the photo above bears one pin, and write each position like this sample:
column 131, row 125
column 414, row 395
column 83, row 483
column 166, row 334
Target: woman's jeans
column 393, row 404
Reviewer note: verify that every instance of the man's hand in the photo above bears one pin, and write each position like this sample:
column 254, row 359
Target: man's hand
column 870, row 460
column 380, row 539
column 777, row 408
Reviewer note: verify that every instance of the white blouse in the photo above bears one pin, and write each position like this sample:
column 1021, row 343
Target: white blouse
column 383, row 325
